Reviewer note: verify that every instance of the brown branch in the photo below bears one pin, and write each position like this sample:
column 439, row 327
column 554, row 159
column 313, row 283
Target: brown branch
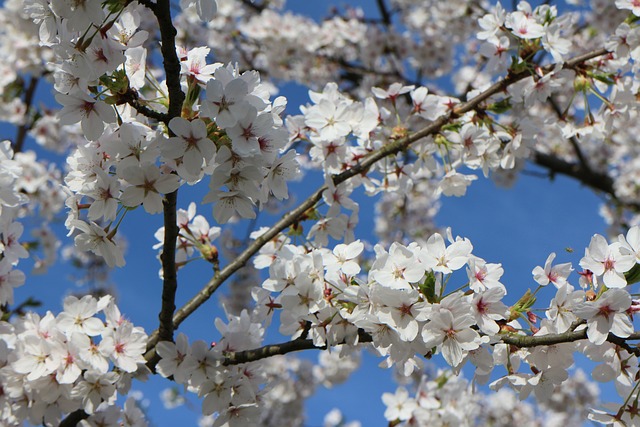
column 238, row 357
column 258, row 8
column 73, row 418
column 294, row 215
column 148, row 112
column 384, row 13
column 595, row 180
column 21, row 134
column 528, row 341
column 171, row 63
column 169, row 269
column 525, row 341
column 148, row 4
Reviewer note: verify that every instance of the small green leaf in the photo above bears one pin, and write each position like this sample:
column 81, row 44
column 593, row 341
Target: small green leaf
column 428, row 288
column 633, row 275
column 501, row 106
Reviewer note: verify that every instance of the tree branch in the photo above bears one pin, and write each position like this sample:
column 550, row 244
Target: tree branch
column 384, row 13
column 171, row 63
column 169, row 269
column 566, row 337
column 595, row 180
column 148, row 112
column 524, row 341
column 73, row 418
column 238, row 357
column 362, row 167
column 21, row 134
column 258, row 8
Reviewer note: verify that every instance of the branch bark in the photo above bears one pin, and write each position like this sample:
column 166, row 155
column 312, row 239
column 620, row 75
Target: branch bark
column 566, row 337
column 520, row 341
column 245, row 356
column 171, row 63
column 21, row 134
column 384, row 12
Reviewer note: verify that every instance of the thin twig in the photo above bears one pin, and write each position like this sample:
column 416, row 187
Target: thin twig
column 384, row 12
column 21, row 134
column 238, row 357
column 528, row 341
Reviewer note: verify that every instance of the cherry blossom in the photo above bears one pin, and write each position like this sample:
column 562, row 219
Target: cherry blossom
column 147, row 183
column 190, row 143
column 452, row 334
column 95, row 239
column 544, row 85
column 605, row 315
column 557, row 274
column 92, row 114
column 608, row 261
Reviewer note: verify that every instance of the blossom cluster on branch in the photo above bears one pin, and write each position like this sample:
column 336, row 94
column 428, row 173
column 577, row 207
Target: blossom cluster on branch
column 155, row 96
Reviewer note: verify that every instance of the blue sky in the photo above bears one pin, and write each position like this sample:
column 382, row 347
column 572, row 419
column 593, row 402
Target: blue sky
column 518, row 227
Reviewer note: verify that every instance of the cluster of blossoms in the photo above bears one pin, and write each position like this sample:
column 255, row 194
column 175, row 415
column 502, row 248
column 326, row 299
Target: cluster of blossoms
column 134, row 141
column 404, row 310
column 53, row 365
column 27, row 186
column 443, row 398
column 195, row 234
column 233, row 135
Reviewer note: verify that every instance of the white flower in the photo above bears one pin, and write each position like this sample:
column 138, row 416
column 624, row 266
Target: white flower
column 557, row 274
column 190, row 143
column 561, row 307
column 226, row 99
column 483, row 276
column 105, row 192
column 329, row 119
column 455, row 183
column 9, row 279
column 608, row 261
column 438, row 257
column 95, row 388
column 487, row 307
column 631, row 5
column 400, row 269
column 227, row 203
column 125, row 346
column 135, row 66
column 283, row 169
column 343, row 258
column 401, row 310
column 147, row 183
column 399, row 405
column 196, row 64
column 92, row 114
column 78, row 316
column 454, row 335
column 92, row 237
column 523, row 26
column 176, row 359
column 606, row 314
column 206, row 9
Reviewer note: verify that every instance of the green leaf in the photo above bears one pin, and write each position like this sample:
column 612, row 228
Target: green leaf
column 428, row 288
column 501, row 106
column 633, row 275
